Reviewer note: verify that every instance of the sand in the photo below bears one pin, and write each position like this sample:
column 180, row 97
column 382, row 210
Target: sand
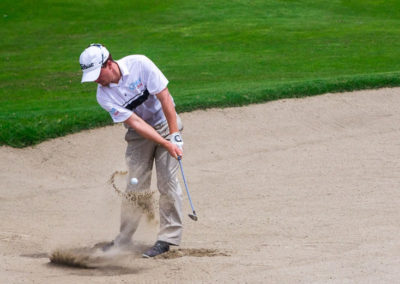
column 291, row 191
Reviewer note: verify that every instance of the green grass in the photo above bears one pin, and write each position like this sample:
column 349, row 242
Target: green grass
column 214, row 53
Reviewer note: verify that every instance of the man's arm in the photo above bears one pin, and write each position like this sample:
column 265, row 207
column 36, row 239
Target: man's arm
column 148, row 132
column 169, row 110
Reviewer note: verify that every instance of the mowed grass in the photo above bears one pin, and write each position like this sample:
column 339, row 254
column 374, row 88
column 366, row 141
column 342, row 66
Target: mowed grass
column 214, row 53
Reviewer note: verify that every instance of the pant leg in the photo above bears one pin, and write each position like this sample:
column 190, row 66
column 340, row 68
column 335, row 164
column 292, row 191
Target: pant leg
column 139, row 157
column 170, row 194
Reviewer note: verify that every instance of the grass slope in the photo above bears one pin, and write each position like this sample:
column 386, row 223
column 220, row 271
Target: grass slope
column 215, row 53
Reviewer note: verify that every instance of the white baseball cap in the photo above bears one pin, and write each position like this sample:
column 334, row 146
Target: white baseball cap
column 91, row 60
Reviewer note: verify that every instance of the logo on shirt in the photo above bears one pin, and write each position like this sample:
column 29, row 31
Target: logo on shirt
column 135, row 85
column 114, row 112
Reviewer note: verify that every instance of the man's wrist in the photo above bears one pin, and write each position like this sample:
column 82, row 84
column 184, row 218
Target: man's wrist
column 165, row 143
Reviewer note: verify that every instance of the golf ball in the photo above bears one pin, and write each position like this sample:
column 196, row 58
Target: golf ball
column 134, row 181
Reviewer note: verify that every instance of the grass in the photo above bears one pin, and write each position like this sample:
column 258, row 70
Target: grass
column 214, row 53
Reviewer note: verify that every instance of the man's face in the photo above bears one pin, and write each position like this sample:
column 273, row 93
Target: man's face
column 105, row 76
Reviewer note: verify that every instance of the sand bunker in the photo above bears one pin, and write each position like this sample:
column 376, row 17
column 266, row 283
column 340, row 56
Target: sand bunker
column 304, row 191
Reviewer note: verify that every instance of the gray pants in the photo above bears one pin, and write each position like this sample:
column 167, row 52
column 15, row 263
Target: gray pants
column 140, row 155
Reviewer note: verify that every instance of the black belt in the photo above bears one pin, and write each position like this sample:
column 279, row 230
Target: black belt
column 134, row 104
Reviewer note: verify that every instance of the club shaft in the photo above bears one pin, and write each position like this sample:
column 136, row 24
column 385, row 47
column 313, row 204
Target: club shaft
column 186, row 187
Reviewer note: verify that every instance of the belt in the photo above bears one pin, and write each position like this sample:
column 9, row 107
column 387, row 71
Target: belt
column 160, row 125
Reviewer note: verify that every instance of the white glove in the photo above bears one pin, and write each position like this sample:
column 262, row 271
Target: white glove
column 176, row 139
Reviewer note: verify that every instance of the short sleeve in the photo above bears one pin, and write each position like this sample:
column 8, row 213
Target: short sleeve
column 117, row 113
column 153, row 78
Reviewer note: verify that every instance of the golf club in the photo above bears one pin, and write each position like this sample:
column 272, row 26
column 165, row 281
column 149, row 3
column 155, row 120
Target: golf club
column 192, row 216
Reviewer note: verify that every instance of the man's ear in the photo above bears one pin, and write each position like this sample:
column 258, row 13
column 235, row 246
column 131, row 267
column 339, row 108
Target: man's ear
column 109, row 64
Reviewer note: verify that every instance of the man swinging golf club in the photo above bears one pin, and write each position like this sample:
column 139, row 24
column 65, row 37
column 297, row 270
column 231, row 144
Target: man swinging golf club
column 134, row 91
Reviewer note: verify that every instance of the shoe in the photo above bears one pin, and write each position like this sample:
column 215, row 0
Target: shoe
column 158, row 248
column 108, row 246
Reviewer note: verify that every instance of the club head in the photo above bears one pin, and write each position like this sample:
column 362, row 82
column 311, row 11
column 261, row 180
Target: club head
column 193, row 217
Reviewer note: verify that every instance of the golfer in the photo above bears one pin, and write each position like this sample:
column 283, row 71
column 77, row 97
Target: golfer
column 134, row 91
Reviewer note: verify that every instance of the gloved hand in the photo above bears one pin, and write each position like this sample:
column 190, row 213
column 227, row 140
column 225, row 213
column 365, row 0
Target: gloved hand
column 176, row 139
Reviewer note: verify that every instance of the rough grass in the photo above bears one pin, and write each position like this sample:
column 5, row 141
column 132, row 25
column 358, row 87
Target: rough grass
column 215, row 54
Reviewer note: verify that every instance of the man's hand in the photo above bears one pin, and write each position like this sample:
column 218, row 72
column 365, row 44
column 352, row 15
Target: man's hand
column 176, row 139
column 173, row 150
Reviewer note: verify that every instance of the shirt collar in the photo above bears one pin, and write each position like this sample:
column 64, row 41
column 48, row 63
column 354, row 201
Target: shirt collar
column 124, row 72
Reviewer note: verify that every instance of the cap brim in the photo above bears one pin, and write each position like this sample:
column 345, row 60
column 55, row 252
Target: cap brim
column 91, row 75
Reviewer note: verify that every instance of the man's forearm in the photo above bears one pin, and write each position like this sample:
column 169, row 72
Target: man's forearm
column 148, row 132
column 144, row 129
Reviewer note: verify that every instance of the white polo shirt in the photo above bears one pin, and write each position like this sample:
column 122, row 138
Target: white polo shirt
column 135, row 92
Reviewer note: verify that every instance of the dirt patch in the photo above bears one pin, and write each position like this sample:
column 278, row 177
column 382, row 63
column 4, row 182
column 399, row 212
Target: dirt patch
column 36, row 255
column 176, row 253
column 91, row 257
column 79, row 257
